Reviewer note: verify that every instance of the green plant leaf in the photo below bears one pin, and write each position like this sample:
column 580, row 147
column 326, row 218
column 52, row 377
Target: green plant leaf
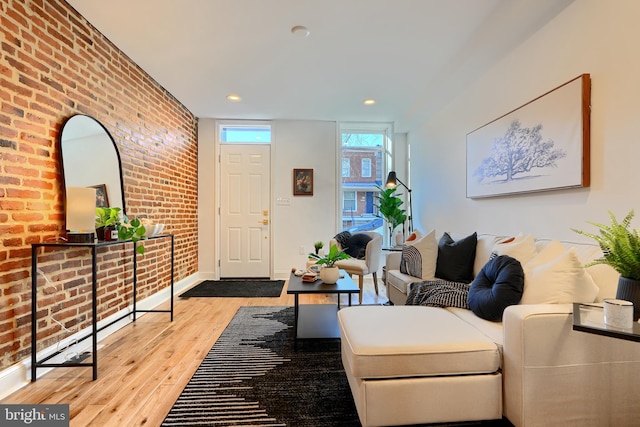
column 620, row 245
column 330, row 258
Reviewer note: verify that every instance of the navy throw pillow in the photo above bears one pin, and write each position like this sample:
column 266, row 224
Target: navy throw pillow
column 498, row 285
column 356, row 245
column 342, row 238
column 456, row 258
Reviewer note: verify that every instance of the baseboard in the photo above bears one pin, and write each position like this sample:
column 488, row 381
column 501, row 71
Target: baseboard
column 18, row 375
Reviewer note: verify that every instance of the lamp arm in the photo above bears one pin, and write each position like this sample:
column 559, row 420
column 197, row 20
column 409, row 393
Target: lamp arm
column 403, row 184
column 410, row 207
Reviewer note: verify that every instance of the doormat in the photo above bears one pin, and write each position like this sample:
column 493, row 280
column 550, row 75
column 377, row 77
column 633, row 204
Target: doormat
column 236, row 288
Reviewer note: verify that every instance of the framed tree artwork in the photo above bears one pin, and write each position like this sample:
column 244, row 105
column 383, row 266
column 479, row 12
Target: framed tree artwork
column 303, row 182
column 542, row 145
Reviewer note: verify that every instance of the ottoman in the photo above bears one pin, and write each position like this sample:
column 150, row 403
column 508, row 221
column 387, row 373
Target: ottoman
column 414, row 364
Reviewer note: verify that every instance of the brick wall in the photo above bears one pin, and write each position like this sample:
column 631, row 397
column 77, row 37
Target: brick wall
column 54, row 64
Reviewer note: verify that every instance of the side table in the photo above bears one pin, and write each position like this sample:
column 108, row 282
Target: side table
column 590, row 318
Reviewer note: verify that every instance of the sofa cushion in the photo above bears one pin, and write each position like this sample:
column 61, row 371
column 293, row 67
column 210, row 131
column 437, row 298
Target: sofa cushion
column 443, row 344
column 419, row 257
column 556, row 276
column 522, row 248
column 456, row 258
column 493, row 330
column 400, row 281
column 499, row 284
column 484, row 249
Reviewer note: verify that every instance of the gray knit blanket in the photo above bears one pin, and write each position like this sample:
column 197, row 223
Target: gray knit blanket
column 439, row 293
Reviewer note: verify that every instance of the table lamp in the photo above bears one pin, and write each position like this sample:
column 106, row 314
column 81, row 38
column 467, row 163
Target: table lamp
column 81, row 214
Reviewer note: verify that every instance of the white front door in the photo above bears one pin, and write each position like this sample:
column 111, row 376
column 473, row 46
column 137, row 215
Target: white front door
column 245, row 193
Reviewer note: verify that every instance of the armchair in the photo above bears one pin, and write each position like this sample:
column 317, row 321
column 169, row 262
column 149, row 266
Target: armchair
column 361, row 267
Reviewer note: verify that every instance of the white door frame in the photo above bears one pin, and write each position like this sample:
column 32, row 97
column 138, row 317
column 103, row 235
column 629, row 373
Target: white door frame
column 217, row 228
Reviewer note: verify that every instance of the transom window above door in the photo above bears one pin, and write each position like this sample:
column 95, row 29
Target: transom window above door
column 245, row 133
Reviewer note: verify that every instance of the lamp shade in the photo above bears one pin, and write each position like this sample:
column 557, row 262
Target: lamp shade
column 81, row 209
column 392, row 182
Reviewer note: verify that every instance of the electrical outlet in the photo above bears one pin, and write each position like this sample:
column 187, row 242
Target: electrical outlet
column 302, row 252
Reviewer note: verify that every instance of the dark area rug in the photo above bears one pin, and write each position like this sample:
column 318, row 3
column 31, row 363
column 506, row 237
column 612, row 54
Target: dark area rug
column 253, row 376
column 236, row 288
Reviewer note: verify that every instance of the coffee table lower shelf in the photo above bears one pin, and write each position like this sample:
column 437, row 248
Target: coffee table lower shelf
column 317, row 321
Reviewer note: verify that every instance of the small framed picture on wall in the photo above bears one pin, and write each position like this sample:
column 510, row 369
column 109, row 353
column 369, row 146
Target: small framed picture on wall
column 303, row 182
column 102, row 199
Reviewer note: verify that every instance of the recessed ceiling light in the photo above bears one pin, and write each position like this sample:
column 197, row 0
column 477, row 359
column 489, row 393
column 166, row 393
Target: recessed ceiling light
column 369, row 101
column 234, row 98
column 300, row 31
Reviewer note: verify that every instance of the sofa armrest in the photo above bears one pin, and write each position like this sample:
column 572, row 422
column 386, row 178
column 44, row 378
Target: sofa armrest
column 392, row 261
column 571, row 377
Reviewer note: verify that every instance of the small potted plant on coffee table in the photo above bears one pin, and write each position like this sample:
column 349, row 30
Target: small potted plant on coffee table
column 329, row 273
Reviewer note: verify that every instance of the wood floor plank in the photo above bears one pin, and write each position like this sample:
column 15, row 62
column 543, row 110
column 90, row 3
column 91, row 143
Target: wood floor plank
column 143, row 367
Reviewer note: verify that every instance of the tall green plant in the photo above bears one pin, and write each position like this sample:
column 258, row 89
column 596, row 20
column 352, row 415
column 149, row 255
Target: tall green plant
column 620, row 246
column 389, row 208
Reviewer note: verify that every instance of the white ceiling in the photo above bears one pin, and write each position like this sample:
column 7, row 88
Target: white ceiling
column 411, row 56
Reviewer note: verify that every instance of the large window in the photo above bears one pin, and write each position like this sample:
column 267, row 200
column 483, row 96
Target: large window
column 363, row 155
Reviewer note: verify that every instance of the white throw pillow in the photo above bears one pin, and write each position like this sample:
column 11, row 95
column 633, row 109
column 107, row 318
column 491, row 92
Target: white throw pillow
column 419, row 257
column 547, row 254
column 522, row 248
column 556, row 276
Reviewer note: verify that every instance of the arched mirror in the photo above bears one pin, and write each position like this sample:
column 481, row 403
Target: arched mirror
column 90, row 158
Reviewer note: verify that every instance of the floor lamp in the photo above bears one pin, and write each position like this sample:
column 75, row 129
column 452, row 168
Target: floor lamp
column 392, row 182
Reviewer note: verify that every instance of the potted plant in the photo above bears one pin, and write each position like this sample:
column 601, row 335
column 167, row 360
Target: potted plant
column 620, row 247
column 132, row 230
column 317, row 246
column 107, row 219
column 389, row 209
column 329, row 272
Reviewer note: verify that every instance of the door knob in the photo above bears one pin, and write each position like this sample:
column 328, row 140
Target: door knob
column 264, row 222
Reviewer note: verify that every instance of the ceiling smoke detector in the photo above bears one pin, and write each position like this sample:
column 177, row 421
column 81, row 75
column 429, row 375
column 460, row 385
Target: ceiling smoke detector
column 300, row 31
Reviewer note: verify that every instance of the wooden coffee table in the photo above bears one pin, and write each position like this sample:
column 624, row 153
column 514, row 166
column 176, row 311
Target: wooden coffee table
column 316, row 321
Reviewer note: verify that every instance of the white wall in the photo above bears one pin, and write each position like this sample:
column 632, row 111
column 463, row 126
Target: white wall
column 297, row 221
column 207, row 213
column 303, row 144
column 590, row 36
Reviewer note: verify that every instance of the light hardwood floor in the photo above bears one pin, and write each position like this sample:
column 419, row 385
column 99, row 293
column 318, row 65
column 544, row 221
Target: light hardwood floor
column 143, row 367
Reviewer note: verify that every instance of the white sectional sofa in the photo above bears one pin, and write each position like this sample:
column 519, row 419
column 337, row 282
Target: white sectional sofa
column 415, row 364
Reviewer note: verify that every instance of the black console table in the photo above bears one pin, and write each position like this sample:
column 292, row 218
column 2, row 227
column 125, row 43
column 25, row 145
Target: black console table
column 35, row 364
